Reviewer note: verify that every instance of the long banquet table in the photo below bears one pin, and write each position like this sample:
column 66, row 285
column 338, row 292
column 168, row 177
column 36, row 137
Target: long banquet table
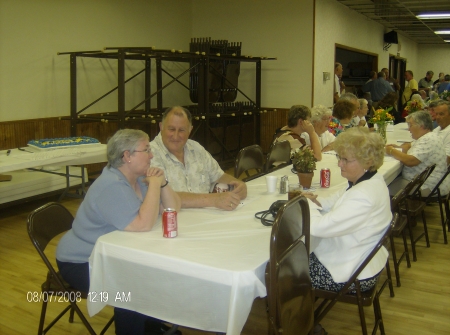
column 208, row 276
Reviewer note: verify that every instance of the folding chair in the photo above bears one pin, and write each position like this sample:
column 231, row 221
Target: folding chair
column 280, row 153
column 436, row 196
column 289, row 290
column 249, row 158
column 366, row 298
column 44, row 224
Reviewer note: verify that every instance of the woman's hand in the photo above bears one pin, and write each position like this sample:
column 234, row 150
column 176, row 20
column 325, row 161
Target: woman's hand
column 155, row 174
column 312, row 197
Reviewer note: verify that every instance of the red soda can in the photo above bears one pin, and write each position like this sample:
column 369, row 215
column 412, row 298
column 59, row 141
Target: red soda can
column 169, row 223
column 325, row 177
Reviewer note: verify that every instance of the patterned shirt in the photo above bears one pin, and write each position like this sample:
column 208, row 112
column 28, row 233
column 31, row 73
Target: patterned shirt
column 199, row 171
column 428, row 149
column 444, row 134
column 335, row 126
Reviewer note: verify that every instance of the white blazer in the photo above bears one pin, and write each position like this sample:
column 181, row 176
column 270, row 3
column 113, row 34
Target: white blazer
column 349, row 226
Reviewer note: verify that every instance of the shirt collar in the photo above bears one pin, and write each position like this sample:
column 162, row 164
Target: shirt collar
column 366, row 176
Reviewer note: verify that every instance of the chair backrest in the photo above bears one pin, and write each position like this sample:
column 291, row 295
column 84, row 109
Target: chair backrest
column 419, row 181
column 248, row 158
column 280, row 151
column 436, row 192
column 45, row 223
column 399, row 198
column 289, row 289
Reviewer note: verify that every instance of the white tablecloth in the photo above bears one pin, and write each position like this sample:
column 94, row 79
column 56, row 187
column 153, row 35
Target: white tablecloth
column 75, row 155
column 208, row 276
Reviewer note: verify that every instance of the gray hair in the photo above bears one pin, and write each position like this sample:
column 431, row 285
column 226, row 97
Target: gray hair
column 362, row 102
column 423, row 119
column 443, row 102
column 447, row 77
column 430, row 73
column 123, row 140
column 366, row 146
column 318, row 112
column 349, row 96
column 178, row 110
column 296, row 113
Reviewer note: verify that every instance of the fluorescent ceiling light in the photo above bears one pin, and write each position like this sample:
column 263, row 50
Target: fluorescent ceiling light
column 442, row 32
column 433, row 16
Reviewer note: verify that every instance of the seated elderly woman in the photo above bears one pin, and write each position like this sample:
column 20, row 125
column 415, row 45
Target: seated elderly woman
column 359, row 120
column 343, row 112
column 297, row 124
column 320, row 119
column 128, row 195
column 353, row 219
column 426, row 149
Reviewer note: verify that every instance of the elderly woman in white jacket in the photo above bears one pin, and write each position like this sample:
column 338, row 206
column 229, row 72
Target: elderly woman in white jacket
column 352, row 220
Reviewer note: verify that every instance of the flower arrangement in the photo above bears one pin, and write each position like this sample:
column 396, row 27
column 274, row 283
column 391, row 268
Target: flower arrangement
column 445, row 95
column 381, row 116
column 412, row 106
column 303, row 160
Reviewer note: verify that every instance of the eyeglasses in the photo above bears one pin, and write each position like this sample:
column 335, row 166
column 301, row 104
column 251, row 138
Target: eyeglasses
column 344, row 161
column 148, row 150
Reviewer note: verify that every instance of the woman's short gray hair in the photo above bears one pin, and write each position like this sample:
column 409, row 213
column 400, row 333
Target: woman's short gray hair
column 423, row 119
column 318, row 112
column 366, row 146
column 123, row 140
column 362, row 102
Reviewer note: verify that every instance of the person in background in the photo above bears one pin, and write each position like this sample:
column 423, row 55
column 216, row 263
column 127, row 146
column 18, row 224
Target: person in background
column 390, row 100
column 320, row 119
column 352, row 220
column 298, row 123
column 442, row 115
column 424, row 96
column 411, row 87
column 354, row 100
column 372, row 76
column 426, row 83
column 438, row 82
column 445, row 85
column 360, row 118
column 343, row 112
column 339, row 85
column 190, row 168
column 378, row 88
column 129, row 195
column 431, row 107
column 426, row 149
column 392, row 81
column 441, row 74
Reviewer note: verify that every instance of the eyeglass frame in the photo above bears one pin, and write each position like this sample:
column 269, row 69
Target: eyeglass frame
column 148, row 150
column 345, row 161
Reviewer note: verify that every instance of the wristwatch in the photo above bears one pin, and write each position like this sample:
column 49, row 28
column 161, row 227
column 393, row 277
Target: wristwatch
column 165, row 183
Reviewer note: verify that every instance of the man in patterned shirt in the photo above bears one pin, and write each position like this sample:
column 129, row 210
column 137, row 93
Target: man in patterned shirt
column 190, row 169
column 426, row 149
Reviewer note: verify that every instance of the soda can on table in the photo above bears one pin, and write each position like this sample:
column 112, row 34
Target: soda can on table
column 169, row 223
column 325, row 177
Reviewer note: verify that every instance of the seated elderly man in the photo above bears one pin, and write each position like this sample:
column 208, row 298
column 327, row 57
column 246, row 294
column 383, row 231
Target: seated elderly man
column 426, row 149
column 320, row 118
column 298, row 123
column 190, row 169
column 442, row 115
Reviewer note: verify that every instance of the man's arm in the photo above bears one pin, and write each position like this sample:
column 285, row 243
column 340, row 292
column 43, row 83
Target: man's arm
column 407, row 160
column 240, row 188
column 226, row 200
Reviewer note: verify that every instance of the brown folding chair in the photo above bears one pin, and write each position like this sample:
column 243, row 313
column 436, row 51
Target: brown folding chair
column 414, row 207
column 366, row 298
column 249, row 158
column 44, row 224
column 436, row 197
column 280, row 153
column 289, row 291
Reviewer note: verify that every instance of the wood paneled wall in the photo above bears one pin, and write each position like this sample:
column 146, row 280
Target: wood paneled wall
column 15, row 134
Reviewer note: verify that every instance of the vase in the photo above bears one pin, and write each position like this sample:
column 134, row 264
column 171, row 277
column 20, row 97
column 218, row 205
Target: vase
column 305, row 179
column 381, row 129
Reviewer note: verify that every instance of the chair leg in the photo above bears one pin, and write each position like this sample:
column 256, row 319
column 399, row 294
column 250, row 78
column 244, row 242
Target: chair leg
column 389, row 280
column 411, row 237
column 406, row 252
column 394, row 260
column 72, row 312
column 443, row 220
column 425, row 229
column 41, row 321
column 107, row 326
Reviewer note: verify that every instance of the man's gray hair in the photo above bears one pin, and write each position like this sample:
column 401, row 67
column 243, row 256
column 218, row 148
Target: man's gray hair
column 123, row 140
column 176, row 108
column 430, row 73
column 349, row 96
column 443, row 102
column 318, row 112
column 423, row 119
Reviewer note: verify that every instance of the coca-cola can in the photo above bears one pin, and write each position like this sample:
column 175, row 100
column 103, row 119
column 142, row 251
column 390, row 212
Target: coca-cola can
column 169, row 223
column 325, row 177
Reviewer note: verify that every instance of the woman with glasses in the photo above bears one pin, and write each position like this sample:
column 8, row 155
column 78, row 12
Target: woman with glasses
column 352, row 220
column 129, row 195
